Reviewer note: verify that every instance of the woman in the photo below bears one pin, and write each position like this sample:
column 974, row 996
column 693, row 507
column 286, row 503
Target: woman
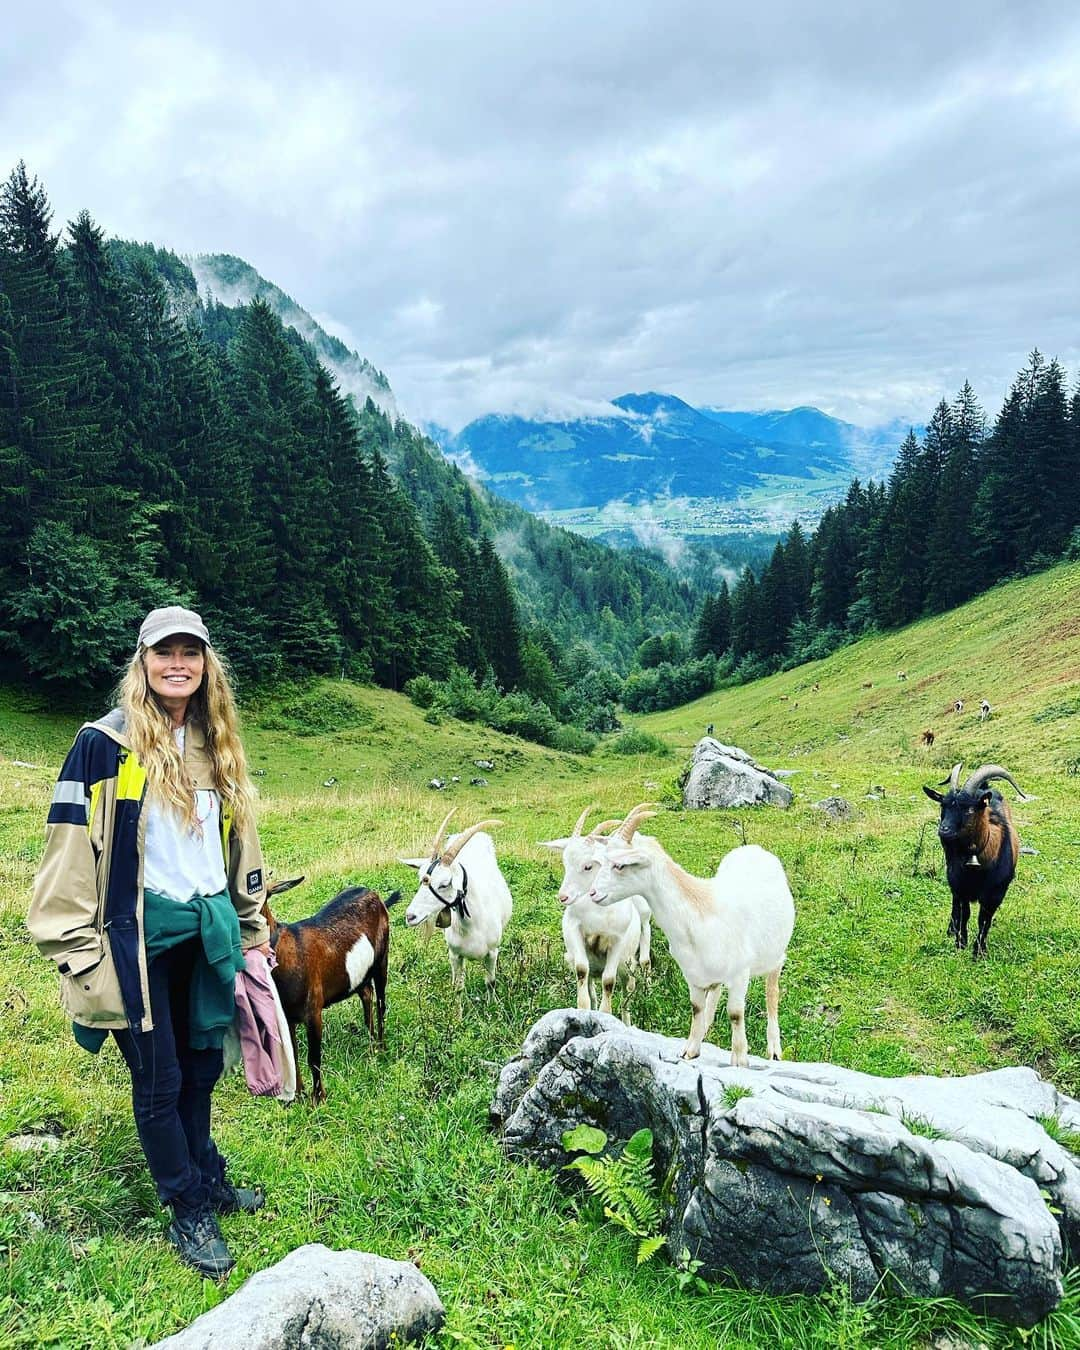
column 150, row 888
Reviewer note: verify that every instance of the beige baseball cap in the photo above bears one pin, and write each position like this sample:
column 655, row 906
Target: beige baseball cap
column 167, row 622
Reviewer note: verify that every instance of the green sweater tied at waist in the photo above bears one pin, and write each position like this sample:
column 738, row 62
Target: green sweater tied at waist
column 166, row 923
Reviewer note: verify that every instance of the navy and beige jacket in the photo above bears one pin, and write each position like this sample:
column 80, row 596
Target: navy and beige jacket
column 87, row 907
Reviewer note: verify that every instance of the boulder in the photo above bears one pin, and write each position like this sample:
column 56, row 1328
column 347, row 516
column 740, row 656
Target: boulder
column 321, row 1300
column 724, row 775
column 836, row 808
column 790, row 1176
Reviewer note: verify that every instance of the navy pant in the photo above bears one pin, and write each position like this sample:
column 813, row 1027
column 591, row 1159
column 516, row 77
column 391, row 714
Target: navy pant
column 171, row 1086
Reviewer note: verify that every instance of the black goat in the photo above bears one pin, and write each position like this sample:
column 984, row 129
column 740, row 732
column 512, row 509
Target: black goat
column 342, row 950
column 981, row 848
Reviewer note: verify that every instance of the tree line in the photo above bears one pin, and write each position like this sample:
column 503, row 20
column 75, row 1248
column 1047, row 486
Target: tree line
column 153, row 453
column 965, row 507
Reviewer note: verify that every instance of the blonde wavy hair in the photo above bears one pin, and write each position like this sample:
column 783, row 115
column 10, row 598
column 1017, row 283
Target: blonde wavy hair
column 150, row 731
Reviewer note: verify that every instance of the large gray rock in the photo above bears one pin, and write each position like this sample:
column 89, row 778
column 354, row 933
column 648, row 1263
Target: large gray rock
column 724, row 775
column 319, row 1300
column 821, row 1173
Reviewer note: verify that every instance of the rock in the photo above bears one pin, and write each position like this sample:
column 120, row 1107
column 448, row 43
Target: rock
column 456, row 778
column 836, row 808
column 724, row 775
column 437, row 784
column 486, row 764
column 321, row 1300
column 32, row 1143
column 821, row 1172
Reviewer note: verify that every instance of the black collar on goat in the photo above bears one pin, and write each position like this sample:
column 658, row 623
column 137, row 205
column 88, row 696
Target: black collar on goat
column 458, row 902
column 981, row 847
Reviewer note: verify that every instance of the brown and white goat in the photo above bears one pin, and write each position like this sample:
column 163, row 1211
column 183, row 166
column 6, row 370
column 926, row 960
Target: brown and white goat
column 927, row 738
column 981, row 848
column 340, row 951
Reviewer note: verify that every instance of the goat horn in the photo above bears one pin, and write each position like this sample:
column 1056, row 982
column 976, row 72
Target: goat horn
column 630, row 824
column 953, row 780
column 598, row 831
column 988, row 771
column 581, row 821
column 441, row 832
column 452, row 850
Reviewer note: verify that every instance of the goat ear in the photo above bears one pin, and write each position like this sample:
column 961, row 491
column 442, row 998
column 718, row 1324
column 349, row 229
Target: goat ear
column 556, row 845
column 276, row 887
column 418, row 863
column 985, row 797
column 629, row 857
column 933, row 795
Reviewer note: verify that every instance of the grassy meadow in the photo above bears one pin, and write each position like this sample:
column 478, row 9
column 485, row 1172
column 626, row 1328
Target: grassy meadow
column 400, row 1160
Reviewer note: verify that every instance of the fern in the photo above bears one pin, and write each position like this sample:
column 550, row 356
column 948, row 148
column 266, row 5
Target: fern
column 625, row 1185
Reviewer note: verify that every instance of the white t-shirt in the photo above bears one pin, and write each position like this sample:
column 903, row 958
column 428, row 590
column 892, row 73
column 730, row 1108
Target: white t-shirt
column 181, row 862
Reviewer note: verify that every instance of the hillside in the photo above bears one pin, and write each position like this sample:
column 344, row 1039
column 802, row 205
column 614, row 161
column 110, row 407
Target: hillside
column 561, row 580
column 400, row 1160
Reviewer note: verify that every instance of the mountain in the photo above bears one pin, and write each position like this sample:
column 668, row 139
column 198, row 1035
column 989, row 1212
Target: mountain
column 231, row 282
column 869, row 451
column 564, row 582
column 655, row 447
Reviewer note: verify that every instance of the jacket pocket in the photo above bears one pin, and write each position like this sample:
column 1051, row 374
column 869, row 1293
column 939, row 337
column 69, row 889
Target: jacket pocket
column 93, row 995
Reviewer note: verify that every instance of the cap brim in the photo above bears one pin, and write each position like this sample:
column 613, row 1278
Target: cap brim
column 170, row 630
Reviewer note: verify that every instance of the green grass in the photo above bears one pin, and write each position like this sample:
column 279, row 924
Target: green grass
column 401, row 1161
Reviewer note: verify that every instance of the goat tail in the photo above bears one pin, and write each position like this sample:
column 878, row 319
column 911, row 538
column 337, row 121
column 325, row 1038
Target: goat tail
column 392, row 899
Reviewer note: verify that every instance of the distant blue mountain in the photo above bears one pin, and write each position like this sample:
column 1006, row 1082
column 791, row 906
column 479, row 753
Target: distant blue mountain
column 654, row 446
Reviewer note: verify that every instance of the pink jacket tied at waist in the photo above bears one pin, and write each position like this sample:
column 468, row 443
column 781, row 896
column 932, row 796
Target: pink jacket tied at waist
column 265, row 1046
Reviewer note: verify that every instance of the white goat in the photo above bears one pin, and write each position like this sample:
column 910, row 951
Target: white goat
column 722, row 930
column 598, row 941
column 462, row 891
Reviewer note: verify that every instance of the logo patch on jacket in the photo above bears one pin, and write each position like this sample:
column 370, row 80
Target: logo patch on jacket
column 254, row 881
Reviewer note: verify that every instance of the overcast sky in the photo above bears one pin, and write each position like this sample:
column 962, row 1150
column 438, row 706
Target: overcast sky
column 537, row 207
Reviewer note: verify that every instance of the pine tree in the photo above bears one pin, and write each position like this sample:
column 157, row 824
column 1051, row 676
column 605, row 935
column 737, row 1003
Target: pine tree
column 949, row 576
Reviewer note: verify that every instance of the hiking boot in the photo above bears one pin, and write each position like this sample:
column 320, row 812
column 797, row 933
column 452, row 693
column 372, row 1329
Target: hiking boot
column 197, row 1237
column 225, row 1198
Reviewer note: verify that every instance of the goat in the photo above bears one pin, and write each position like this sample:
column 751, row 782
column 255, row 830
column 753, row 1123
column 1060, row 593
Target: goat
column 958, row 706
column 981, row 847
column 927, row 738
column 723, row 930
column 709, row 729
column 342, row 950
column 868, row 684
column 984, row 710
column 901, row 674
column 598, row 941
column 473, row 906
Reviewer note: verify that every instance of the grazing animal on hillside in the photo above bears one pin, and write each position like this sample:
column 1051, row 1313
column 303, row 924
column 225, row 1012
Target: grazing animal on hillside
column 342, row 950
column 599, row 941
column 984, row 710
column 868, row 684
column 901, row 674
column 709, row 729
column 927, row 738
column 463, row 891
column 958, row 706
column 981, row 847
column 722, row 930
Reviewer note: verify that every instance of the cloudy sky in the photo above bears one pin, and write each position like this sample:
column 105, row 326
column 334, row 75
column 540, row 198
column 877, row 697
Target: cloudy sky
column 537, row 207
